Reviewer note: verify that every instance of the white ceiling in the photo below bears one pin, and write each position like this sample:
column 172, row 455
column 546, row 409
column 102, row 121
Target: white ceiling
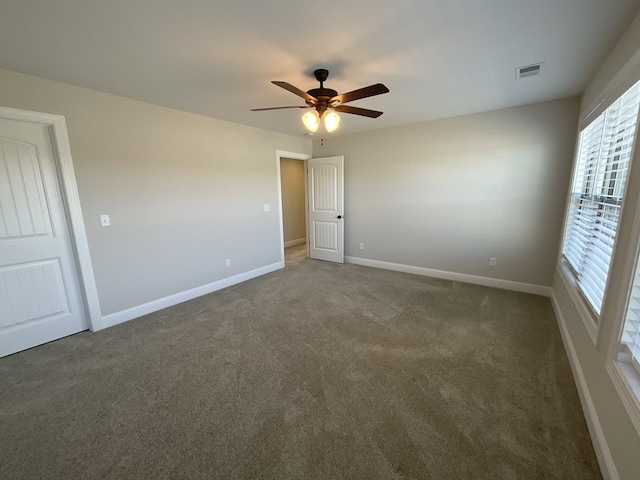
column 217, row 58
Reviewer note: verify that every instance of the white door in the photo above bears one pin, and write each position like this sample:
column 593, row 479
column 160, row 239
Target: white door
column 40, row 297
column 326, row 208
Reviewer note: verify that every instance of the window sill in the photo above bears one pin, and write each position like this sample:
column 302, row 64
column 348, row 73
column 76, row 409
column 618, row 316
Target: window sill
column 588, row 317
column 626, row 381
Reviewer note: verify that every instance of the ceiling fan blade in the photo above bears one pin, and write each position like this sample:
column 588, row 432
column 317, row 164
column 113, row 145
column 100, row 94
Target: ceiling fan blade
column 357, row 111
column 296, row 90
column 370, row 91
column 278, row 108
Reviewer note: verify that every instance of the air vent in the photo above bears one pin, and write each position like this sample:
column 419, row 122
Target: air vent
column 529, row 70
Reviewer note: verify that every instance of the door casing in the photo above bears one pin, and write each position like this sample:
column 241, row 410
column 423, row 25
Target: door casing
column 298, row 156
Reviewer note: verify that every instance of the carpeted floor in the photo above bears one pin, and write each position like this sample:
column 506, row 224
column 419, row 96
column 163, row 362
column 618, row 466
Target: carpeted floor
column 317, row 371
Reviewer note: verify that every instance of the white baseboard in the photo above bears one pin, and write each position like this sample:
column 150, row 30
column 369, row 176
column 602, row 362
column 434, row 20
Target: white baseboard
column 458, row 277
column 291, row 243
column 600, row 445
column 155, row 305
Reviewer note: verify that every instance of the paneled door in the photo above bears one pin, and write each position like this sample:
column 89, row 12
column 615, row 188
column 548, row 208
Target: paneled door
column 40, row 297
column 326, row 208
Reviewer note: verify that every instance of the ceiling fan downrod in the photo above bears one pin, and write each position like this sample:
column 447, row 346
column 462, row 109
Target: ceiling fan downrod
column 323, row 95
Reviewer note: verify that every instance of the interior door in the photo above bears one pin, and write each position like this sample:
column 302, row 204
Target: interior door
column 40, row 297
column 326, row 208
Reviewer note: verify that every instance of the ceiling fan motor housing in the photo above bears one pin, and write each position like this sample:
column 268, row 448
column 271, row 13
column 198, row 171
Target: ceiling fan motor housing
column 322, row 94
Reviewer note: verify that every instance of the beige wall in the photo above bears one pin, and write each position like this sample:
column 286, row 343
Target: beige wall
column 449, row 194
column 293, row 205
column 612, row 70
column 184, row 192
column 618, row 433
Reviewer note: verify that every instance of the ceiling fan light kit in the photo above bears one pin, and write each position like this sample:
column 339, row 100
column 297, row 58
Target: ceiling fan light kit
column 331, row 121
column 326, row 102
column 311, row 120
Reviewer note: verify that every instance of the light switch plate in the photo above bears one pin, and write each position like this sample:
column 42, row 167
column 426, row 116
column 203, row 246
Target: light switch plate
column 105, row 221
column 267, row 207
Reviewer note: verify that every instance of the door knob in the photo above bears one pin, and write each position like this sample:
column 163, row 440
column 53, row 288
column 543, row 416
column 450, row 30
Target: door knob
column 339, row 216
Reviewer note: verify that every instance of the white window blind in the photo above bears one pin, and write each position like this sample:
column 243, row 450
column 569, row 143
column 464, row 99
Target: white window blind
column 631, row 330
column 597, row 192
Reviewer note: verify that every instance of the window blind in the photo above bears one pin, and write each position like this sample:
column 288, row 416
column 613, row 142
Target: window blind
column 597, row 192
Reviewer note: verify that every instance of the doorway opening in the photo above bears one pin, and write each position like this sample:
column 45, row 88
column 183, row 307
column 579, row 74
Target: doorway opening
column 292, row 193
column 294, row 208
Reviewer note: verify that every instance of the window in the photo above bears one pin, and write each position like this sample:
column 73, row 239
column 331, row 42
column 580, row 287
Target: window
column 624, row 370
column 597, row 192
column 630, row 342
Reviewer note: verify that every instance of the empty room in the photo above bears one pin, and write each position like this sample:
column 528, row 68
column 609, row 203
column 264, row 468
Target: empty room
column 320, row 240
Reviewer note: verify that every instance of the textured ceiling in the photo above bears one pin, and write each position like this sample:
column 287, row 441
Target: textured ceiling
column 217, row 58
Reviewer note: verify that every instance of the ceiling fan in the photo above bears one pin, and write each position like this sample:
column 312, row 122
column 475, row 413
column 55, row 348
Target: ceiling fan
column 326, row 102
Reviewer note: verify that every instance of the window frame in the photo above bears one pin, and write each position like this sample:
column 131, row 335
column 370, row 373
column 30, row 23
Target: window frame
column 567, row 272
column 626, row 377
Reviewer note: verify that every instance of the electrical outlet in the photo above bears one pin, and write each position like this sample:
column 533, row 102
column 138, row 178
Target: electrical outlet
column 105, row 221
column 227, row 263
column 492, row 261
column 267, row 207
column 362, row 246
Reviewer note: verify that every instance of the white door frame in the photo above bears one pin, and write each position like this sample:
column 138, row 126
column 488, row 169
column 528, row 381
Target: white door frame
column 62, row 155
column 296, row 156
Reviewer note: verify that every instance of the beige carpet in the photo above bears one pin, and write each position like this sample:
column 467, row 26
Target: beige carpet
column 317, row 371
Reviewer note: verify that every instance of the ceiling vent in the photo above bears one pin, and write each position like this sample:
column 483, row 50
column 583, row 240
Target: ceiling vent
column 529, row 70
